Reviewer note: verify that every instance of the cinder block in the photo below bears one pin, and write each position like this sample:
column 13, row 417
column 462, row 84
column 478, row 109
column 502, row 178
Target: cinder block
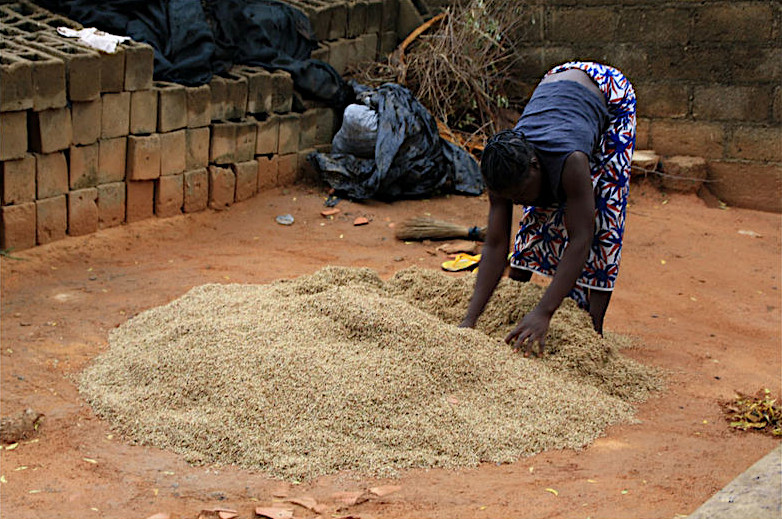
column 245, row 140
column 290, row 127
column 169, row 195
column 326, row 122
column 734, row 102
column 367, row 48
column 49, row 130
column 267, row 136
column 86, row 120
column 196, row 190
column 357, row 19
column 139, row 66
column 51, row 175
column 17, row 226
column 282, row 92
column 388, row 42
column 287, row 169
column 744, row 184
column 305, row 171
column 246, row 174
column 83, row 170
column 112, row 71
column 259, row 88
column 374, row 16
column 13, row 135
column 173, row 152
column 267, row 171
column 222, row 147
column 222, row 187
column 82, row 66
column 321, row 53
column 111, row 204
column 51, row 219
column 762, row 143
column 683, row 174
column 663, row 99
column 390, row 16
column 236, row 95
column 308, row 129
column 338, row 54
column 143, row 112
column 115, row 118
column 408, row 18
column 338, row 20
column 48, row 76
column 675, row 137
column 16, row 76
column 172, row 106
column 199, row 106
column 143, row 157
column 111, row 160
column 139, row 200
column 734, row 22
column 320, row 19
column 219, row 90
column 83, row 211
column 197, row 148
column 17, row 180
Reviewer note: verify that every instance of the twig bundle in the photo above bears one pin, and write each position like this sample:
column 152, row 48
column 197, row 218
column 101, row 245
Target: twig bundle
column 426, row 228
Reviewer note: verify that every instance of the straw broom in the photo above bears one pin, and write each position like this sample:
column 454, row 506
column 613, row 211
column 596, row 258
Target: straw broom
column 426, row 228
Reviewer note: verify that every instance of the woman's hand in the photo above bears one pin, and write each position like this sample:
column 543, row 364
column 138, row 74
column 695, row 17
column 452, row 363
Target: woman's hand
column 532, row 329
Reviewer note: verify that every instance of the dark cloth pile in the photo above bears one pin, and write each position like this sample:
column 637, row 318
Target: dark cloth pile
column 194, row 40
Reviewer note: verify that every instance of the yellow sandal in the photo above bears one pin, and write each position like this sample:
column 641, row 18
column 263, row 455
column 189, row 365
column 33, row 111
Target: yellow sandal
column 462, row 261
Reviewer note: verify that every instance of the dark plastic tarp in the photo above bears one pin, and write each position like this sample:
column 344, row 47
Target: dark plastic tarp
column 411, row 159
column 194, row 40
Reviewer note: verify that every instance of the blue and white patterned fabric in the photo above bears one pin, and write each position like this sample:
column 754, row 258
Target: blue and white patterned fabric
column 542, row 237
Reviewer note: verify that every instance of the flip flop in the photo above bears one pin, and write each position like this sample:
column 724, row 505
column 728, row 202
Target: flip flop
column 461, row 262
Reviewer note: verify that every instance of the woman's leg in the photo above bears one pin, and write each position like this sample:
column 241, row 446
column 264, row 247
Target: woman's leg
column 598, row 304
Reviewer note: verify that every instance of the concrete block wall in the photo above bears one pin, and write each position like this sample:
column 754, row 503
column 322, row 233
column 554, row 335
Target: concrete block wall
column 89, row 140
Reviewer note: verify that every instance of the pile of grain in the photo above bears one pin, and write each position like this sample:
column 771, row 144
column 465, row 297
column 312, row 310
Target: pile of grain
column 343, row 371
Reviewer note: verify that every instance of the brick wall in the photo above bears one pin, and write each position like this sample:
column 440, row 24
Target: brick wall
column 88, row 140
column 708, row 77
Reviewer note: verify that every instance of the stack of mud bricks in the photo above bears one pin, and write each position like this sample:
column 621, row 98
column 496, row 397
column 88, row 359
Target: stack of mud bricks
column 88, row 140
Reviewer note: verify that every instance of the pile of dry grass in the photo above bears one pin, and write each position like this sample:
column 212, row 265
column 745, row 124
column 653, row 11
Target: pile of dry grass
column 342, row 371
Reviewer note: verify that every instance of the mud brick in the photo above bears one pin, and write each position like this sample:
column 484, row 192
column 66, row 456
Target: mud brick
column 51, row 175
column 13, row 135
column 374, row 16
column 51, row 219
column 86, row 121
column 83, row 166
column 112, row 155
column 222, row 145
column 196, row 190
column 172, row 152
column 82, row 66
column 17, row 180
column 49, row 130
column 683, row 173
column 199, row 106
column 267, row 172
column 305, row 171
column 259, row 89
column 143, row 112
column 17, row 226
column 143, row 157
column 762, row 143
column 236, row 95
column 48, row 76
column 287, row 169
column 115, row 118
column 282, row 92
column 750, row 185
column 357, row 19
column 196, row 148
column 674, row 137
column 172, row 106
column 338, row 55
column 308, row 129
column 290, row 127
column 219, row 90
column 321, row 53
column 83, row 211
column 245, row 140
column 139, row 66
column 111, row 204
column 16, row 76
column 139, row 200
column 222, row 187
column 267, row 136
column 169, row 195
column 246, row 174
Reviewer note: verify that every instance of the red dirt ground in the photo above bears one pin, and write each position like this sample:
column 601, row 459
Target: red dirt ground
column 703, row 299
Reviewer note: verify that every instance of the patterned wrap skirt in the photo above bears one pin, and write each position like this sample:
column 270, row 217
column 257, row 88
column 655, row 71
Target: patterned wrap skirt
column 542, row 237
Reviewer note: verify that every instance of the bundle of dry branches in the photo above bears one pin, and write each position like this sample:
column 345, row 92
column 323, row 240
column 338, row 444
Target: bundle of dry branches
column 457, row 67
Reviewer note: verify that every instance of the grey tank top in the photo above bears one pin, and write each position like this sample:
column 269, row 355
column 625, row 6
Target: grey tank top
column 560, row 118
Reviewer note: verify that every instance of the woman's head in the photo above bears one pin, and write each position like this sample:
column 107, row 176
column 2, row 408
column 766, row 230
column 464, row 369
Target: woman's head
column 509, row 167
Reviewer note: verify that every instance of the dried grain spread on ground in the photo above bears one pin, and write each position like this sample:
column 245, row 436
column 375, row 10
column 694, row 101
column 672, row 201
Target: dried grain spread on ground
column 341, row 370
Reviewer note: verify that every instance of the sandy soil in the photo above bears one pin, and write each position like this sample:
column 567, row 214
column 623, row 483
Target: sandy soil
column 703, row 299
